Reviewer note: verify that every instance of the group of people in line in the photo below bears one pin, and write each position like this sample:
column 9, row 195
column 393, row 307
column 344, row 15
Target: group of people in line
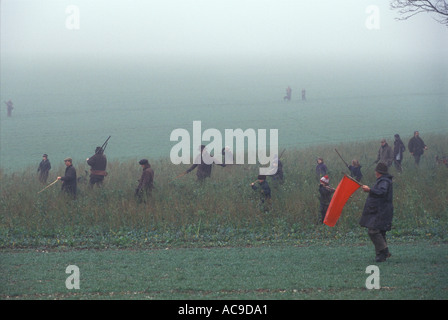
column 97, row 163
column 376, row 216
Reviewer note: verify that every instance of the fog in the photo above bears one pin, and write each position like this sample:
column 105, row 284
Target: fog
column 230, row 29
column 159, row 65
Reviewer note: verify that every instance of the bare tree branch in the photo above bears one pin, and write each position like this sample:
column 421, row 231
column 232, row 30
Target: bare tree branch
column 409, row 8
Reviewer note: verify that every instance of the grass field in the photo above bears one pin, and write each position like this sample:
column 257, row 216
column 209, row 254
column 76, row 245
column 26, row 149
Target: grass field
column 415, row 271
column 213, row 241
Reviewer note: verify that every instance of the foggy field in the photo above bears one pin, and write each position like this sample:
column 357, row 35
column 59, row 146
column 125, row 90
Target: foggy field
column 78, row 72
column 141, row 113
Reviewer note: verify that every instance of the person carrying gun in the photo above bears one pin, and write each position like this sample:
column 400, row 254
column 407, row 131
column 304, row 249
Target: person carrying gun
column 98, row 164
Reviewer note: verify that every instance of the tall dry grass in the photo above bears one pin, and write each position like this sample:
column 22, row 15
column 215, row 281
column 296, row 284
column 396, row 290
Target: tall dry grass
column 224, row 206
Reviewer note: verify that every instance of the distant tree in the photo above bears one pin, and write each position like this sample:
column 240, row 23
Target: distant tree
column 410, row 8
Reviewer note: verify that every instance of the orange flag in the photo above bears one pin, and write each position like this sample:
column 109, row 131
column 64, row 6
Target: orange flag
column 344, row 190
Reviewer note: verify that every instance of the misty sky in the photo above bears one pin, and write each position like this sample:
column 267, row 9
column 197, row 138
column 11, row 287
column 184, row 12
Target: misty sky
column 211, row 28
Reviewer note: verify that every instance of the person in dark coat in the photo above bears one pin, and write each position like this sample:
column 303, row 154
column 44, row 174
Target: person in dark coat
column 355, row 170
column 44, row 168
column 203, row 163
column 378, row 211
column 98, row 164
column 265, row 191
column 321, row 168
column 399, row 148
column 325, row 195
column 417, row 147
column 385, row 154
column 146, row 182
column 69, row 180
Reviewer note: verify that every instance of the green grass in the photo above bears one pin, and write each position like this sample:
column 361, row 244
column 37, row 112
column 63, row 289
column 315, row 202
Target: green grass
column 415, row 271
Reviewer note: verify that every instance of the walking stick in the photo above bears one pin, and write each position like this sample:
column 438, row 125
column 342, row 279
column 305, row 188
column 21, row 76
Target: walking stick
column 180, row 175
column 48, row 186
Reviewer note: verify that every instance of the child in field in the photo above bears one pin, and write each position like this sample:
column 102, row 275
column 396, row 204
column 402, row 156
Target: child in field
column 321, row 168
column 355, row 170
column 325, row 195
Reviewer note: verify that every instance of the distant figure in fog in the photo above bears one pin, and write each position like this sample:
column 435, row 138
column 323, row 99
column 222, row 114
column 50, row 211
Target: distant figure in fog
column 417, row 147
column 288, row 94
column 303, row 95
column 146, row 182
column 44, row 168
column 399, row 148
column 9, row 107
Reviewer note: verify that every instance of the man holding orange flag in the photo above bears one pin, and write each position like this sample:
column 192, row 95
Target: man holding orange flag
column 378, row 211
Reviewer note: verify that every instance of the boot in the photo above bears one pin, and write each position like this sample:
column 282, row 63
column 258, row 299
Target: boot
column 383, row 255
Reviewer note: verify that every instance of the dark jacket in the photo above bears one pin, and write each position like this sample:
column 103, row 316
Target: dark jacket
column 321, row 169
column 399, row 148
column 325, row 194
column 44, row 166
column 355, row 172
column 98, row 163
column 204, row 170
column 265, row 190
column 416, row 146
column 378, row 209
column 385, row 155
column 146, row 182
column 69, row 181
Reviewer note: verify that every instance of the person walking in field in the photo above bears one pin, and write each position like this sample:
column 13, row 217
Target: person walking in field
column 417, row 147
column 378, row 211
column 355, row 170
column 325, row 195
column 265, row 191
column 44, row 168
column 399, row 148
column 146, row 182
column 321, row 168
column 69, row 180
column 385, row 154
column 203, row 163
column 98, row 164
column 9, row 108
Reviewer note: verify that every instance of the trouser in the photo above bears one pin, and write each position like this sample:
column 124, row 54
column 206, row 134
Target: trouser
column 98, row 180
column 323, row 211
column 417, row 158
column 397, row 164
column 378, row 238
column 43, row 176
